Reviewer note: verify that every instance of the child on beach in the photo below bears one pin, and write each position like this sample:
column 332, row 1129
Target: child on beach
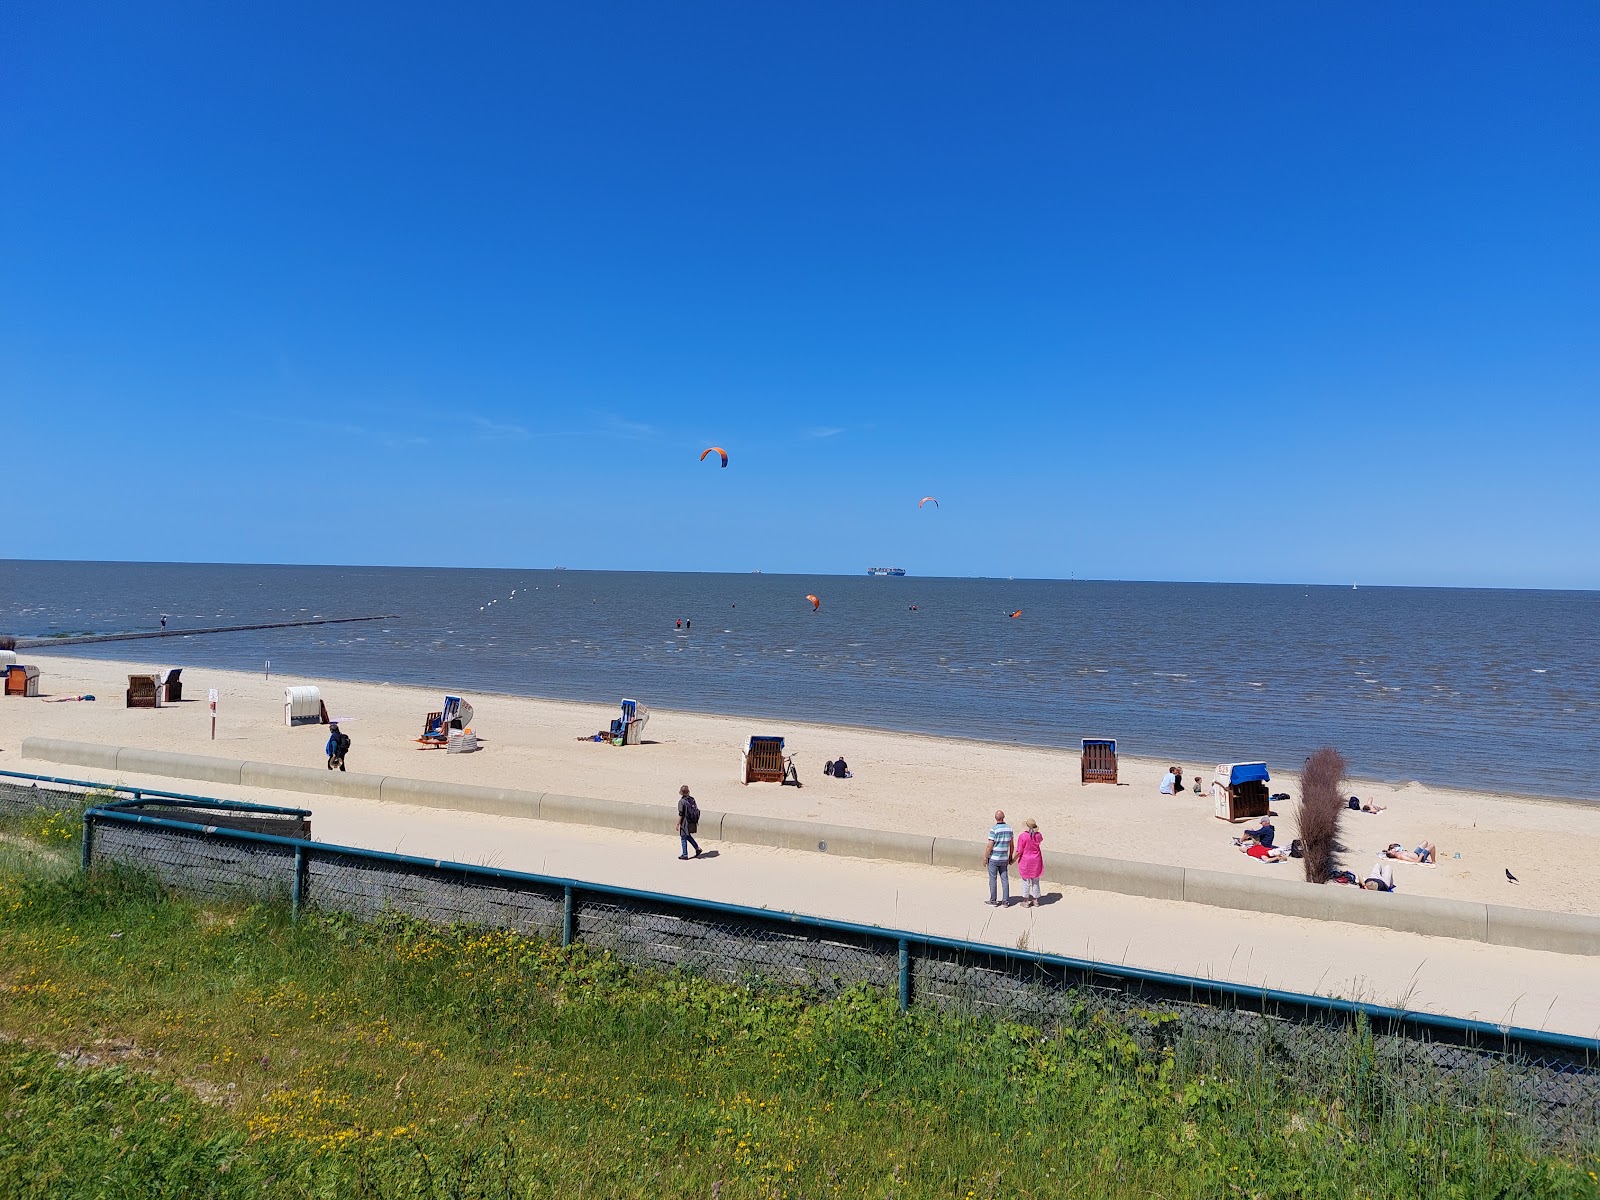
column 1030, row 860
column 1198, row 790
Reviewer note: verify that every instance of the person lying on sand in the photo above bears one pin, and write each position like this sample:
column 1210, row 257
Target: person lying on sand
column 1380, row 878
column 1359, row 805
column 1263, row 853
column 1426, row 852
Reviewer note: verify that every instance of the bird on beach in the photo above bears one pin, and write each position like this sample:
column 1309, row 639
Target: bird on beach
column 1512, row 877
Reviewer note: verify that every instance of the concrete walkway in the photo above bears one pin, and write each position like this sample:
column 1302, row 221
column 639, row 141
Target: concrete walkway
column 1531, row 988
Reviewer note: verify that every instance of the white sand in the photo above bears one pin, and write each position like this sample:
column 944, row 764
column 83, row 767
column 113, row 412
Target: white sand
column 942, row 786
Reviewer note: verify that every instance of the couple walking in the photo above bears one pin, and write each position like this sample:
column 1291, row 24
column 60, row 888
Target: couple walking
column 1007, row 847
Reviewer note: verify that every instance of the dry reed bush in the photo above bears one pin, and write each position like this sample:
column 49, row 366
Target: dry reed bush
column 1322, row 804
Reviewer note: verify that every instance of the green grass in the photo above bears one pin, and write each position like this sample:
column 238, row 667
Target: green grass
column 157, row 1046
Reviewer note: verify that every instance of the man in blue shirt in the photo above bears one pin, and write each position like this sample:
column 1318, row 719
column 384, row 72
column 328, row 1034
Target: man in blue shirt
column 998, row 857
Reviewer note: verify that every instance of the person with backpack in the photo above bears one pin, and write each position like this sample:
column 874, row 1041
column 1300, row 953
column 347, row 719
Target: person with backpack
column 338, row 746
column 688, row 822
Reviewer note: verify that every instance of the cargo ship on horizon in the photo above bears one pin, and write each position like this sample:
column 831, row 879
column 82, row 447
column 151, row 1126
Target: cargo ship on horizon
column 886, row 570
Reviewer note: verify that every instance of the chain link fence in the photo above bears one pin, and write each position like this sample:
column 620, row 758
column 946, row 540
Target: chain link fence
column 1551, row 1080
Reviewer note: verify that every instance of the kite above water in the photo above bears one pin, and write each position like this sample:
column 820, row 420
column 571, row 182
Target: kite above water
column 815, row 602
column 1016, row 614
column 925, row 500
column 714, row 450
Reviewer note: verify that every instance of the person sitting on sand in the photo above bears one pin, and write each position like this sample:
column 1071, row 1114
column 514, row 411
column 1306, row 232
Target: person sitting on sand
column 1172, row 781
column 1426, row 852
column 1261, row 835
column 1198, row 790
column 841, row 769
column 1380, row 878
column 1263, row 853
column 1358, row 805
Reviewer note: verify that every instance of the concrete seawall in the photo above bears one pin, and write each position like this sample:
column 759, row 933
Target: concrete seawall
column 1533, row 929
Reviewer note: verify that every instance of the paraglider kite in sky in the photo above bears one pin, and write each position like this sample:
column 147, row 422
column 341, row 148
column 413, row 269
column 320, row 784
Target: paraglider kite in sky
column 714, row 450
column 925, row 500
column 815, row 603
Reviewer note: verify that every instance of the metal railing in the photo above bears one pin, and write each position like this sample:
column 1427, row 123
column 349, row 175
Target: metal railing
column 1552, row 1077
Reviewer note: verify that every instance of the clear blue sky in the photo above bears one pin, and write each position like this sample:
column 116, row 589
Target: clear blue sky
column 1245, row 292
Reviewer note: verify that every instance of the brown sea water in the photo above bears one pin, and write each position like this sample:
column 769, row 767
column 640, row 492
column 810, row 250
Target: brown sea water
column 1474, row 688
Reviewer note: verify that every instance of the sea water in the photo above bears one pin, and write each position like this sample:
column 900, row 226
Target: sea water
column 1476, row 688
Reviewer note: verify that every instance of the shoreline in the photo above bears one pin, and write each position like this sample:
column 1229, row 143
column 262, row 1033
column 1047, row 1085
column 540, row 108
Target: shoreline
column 1356, row 782
column 908, row 782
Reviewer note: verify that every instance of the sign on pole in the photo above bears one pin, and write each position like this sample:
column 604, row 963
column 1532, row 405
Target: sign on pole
column 213, row 714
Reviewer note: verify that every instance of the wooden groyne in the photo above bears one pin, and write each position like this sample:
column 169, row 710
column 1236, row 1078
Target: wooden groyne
column 86, row 639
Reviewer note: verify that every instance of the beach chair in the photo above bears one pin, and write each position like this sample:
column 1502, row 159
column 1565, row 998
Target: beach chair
column 1099, row 763
column 173, row 687
column 762, row 761
column 455, row 715
column 1239, row 791
column 144, row 691
column 22, row 680
column 303, row 706
column 628, row 729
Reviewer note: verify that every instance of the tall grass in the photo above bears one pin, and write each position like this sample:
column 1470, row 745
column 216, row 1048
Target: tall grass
column 164, row 1047
column 1322, row 807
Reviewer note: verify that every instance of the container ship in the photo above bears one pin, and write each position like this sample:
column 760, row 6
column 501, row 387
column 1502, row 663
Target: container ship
column 886, row 570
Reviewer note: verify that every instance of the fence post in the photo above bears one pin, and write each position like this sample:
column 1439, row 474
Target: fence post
column 568, row 917
column 86, row 851
column 297, row 884
column 905, row 975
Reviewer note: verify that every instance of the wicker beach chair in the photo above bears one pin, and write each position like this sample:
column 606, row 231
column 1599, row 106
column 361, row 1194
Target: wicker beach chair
column 762, row 761
column 143, row 691
column 1099, row 761
column 21, row 679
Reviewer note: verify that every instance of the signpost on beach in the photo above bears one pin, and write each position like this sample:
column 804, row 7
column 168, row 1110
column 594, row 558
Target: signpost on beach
column 213, row 714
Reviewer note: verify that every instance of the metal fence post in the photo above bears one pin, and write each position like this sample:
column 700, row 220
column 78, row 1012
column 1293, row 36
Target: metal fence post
column 86, row 851
column 905, row 975
column 297, row 884
column 569, row 921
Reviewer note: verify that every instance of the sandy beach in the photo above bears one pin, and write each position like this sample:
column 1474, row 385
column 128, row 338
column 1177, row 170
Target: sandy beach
column 941, row 786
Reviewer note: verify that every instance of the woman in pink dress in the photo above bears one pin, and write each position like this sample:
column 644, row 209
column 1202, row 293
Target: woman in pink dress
column 1030, row 860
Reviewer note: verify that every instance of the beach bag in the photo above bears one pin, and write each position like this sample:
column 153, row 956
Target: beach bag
column 1296, row 850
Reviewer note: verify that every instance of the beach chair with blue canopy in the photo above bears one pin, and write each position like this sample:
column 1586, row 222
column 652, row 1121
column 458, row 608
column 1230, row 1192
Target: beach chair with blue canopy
column 1099, row 761
column 1239, row 791
column 762, row 761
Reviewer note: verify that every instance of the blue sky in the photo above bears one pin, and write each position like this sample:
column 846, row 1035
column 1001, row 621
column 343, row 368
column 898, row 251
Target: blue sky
column 1244, row 292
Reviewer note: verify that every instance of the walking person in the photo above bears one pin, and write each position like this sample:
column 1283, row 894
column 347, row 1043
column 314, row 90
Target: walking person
column 1030, row 860
column 688, row 822
column 998, row 856
column 338, row 746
